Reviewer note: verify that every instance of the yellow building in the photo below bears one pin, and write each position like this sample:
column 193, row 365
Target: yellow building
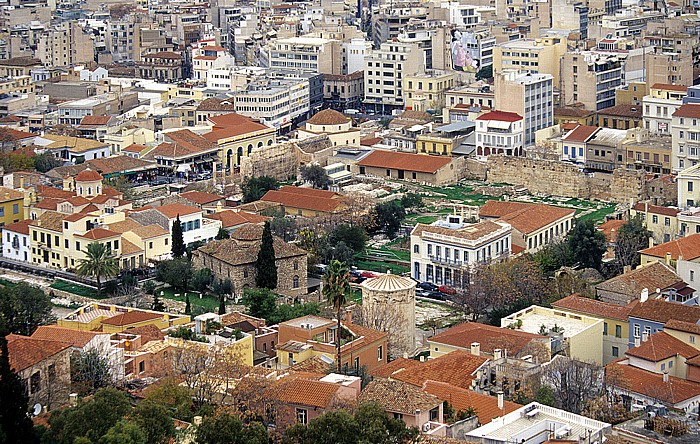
column 17, row 85
column 614, row 317
column 11, row 206
column 426, row 91
column 116, row 319
column 237, row 136
column 540, row 55
column 661, row 221
column 305, row 202
column 129, row 136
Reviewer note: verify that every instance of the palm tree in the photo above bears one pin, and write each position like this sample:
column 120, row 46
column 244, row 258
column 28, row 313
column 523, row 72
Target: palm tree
column 336, row 284
column 99, row 262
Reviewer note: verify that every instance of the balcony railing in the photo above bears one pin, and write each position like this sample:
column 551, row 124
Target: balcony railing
column 445, row 260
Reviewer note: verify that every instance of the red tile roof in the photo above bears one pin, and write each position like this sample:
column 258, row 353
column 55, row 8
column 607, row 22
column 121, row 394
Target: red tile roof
column 688, row 247
column 24, row 351
column 95, row 120
column 192, row 142
column 75, row 338
column 171, row 211
column 88, row 175
column 231, row 218
column 53, row 192
column 651, row 384
column 134, row 148
column 661, row 311
column 580, row 304
column 689, row 327
column 580, row 134
column 456, row 368
column 201, row 197
column 12, row 135
column 525, row 217
column 486, row 407
column 232, row 125
column 660, row 346
column 328, row 117
column 398, row 397
column 18, row 227
column 397, row 365
column 302, row 201
column 691, row 110
column 656, row 209
column 98, row 234
column 611, row 228
column 307, row 392
column 502, row 116
column 670, row 87
column 488, row 336
column 420, row 163
column 131, row 317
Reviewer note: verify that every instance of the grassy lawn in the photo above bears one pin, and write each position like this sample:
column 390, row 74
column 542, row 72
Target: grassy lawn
column 426, row 219
column 598, row 215
column 6, row 283
column 380, row 267
column 355, row 295
column 80, row 290
column 208, row 303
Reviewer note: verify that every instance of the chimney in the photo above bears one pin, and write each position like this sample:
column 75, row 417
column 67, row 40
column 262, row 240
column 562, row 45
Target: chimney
column 637, row 342
column 644, row 296
column 21, row 181
column 476, row 349
column 668, row 258
column 348, row 316
column 73, row 399
column 500, row 400
column 497, row 353
column 651, row 242
column 626, row 269
column 665, row 376
column 645, row 337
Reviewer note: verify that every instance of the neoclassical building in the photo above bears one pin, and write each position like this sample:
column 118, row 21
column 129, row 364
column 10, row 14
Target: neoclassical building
column 237, row 136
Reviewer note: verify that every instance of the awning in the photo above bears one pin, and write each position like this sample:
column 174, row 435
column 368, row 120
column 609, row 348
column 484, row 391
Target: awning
column 183, row 168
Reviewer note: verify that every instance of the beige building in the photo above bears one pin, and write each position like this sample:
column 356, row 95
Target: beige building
column 334, row 125
column 385, row 70
column 434, row 170
column 163, row 66
column 65, row 45
column 669, row 67
column 310, row 54
column 426, row 91
column 685, row 136
column 540, row 55
column 590, row 78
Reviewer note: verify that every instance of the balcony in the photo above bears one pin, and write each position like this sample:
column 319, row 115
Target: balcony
column 446, row 261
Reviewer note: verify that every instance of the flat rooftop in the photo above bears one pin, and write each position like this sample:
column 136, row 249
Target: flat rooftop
column 312, row 321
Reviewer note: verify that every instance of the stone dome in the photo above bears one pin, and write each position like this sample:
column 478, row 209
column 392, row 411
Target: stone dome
column 328, row 117
column 388, row 283
column 88, row 175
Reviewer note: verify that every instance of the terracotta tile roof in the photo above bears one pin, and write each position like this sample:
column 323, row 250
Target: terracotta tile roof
column 660, row 346
column 656, row 209
column 120, row 164
column 76, row 217
column 651, row 384
column 690, row 110
column 502, row 116
column 98, row 234
column 134, row 148
column 689, row 327
column 328, row 117
column 471, row 232
column 74, row 144
column 231, row 218
column 75, row 338
column 24, row 351
column 13, row 135
column 20, row 61
column 53, row 192
column 214, row 104
column 150, row 231
column 203, row 57
column 622, row 110
column 580, row 304
column 312, row 365
column 650, row 276
column 611, row 228
column 580, row 134
column 191, row 142
column 78, row 200
column 688, row 247
column 371, row 141
column 397, row 365
column 303, row 201
column 88, row 175
column 201, row 197
column 661, row 311
column 95, row 120
column 7, row 194
column 398, row 397
column 460, row 399
column 129, row 248
column 18, row 227
column 224, row 127
column 147, row 332
column 370, row 335
column 49, row 220
column 163, row 55
column 456, row 368
column 306, row 392
column 488, row 336
column 524, row 217
column 572, row 111
column 171, row 211
column 670, row 87
column 131, row 317
column 125, row 225
column 420, row 163
column 234, row 252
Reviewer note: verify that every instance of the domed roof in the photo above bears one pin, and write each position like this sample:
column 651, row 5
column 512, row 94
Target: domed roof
column 328, row 117
column 88, row 175
column 388, row 282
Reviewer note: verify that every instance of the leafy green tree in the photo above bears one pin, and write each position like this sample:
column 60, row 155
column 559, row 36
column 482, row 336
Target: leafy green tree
column 378, row 427
column 338, row 251
column 284, row 227
column 265, row 266
column 15, row 425
column 90, row 370
column 316, row 175
column 224, row 428
column 124, row 432
column 261, row 302
column 254, row 188
column 411, row 200
column 149, row 287
column 389, row 216
column 222, row 287
column 286, row 312
column 177, row 398
column 586, row 244
column 176, row 272
column 202, row 279
column 99, row 263
column 155, row 420
column 553, row 257
column 353, row 236
column 336, row 285
column 178, row 244
column 335, row 427
column 222, row 234
column 485, row 72
column 631, row 237
column 46, row 162
column 23, row 308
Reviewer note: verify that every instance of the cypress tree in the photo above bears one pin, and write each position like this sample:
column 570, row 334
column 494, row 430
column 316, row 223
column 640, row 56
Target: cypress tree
column 178, row 247
column 222, row 304
column 15, row 425
column 188, row 308
column 157, row 303
column 265, row 267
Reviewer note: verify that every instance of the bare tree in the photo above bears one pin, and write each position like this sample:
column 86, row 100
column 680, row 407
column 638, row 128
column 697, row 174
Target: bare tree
column 574, row 382
column 471, row 297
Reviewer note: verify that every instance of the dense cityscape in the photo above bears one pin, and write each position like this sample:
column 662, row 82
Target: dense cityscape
column 350, row 222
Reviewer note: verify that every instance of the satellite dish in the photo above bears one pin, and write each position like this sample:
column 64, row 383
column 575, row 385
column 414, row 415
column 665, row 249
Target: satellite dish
column 37, row 409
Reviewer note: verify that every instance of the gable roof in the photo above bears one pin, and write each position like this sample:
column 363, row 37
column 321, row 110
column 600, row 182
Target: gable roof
column 659, row 310
column 688, row 247
column 21, row 227
column 651, row 384
column 650, row 276
column 420, row 163
column 690, row 110
column 398, row 396
column 75, row 338
column 308, row 392
column 303, row 201
column 611, row 228
column 489, row 337
column 171, row 211
column 189, row 140
column 98, row 234
column 689, row 327
column 232, row 125
column 24, row 351
column 201, row 197
column 502, row 116
column 230, row 218
column 12, row 135
column 580, row 134
column 397, row 365
column 656, row 209
column 660, row 346
column 456, row 368
column 95, row 120
column 131, row 317
column 461, row 399
column 590, row 306
column 524, row 217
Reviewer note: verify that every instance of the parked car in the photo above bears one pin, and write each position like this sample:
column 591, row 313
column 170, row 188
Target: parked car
column 203, row 176
column 447, row 290
column 435, row 295
column 356, row 279
column 157, row 182
column 429, row 286
column 368, row 274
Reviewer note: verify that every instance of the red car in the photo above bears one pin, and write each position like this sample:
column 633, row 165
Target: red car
column 368, row 274
column 447, row 290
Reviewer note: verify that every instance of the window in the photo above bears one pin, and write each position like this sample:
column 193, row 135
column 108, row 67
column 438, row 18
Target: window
column 655, row 219
column 380, row 353
column 142, row 366
column 670, row 364
column 34, row 382
column 357, row 363
column 618, row 331
column 663, row 367
column 296, row 265
column 636, row 330
column 415, row 248
column 691, row 339
column 15, row 209
column 692, row 275
column 302, row 416
column 690, row 187
column 667, row 221
column 295, row 282
column 605, row 328
column 615, row 351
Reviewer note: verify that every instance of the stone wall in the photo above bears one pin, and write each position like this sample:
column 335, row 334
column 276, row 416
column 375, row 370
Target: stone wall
column 279, row 161
column 562, row 179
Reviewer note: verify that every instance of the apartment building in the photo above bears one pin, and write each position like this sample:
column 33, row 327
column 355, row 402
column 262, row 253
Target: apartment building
column 426, row 91
column 499, row 132
column 540, row 55
column 388, row 23
column 590, row 78
column 669, row 68
column 385, row 71
column 164, row 66
column 529, row 95
column 65, row 45
column 309, row 54
column 659, row 105
column 685, row 137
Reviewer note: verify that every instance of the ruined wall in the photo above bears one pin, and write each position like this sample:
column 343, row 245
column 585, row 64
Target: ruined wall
column 278, row 161
column 562, row 179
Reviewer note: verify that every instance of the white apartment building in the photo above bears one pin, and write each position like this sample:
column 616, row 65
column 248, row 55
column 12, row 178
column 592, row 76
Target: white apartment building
column 276, row 102
column 208, row 56
column 660, row 104
column 479, row 43
column 195, row 227
column 466, row 16
column 440, row 252
column 354, row 53
column 685, row 137
column 15, row 241
column 499, row 132
column 530, row 95
column 384, row 72
column 309, row 54
column 688, row 182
